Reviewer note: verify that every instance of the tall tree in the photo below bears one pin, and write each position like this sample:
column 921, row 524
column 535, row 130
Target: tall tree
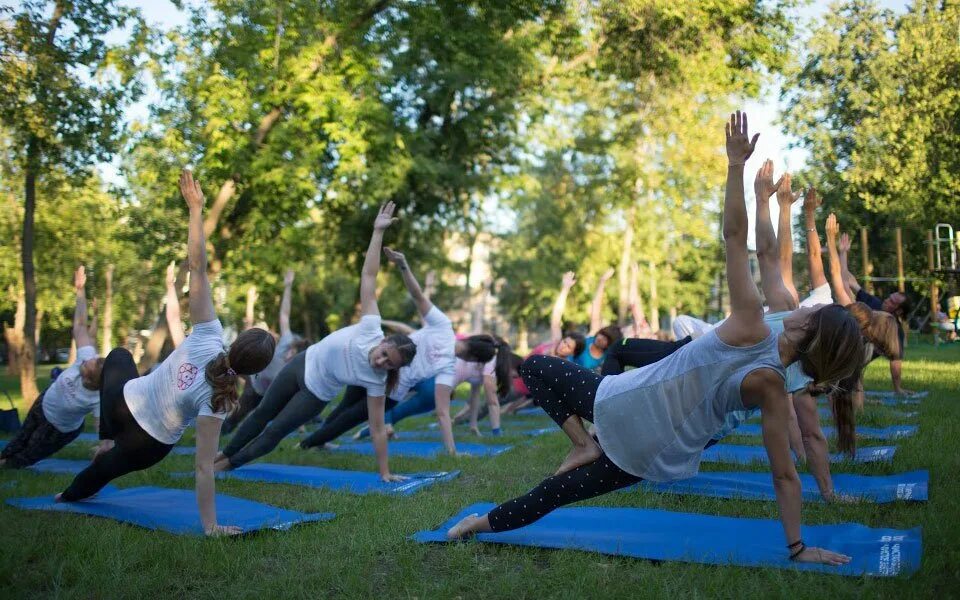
column 62, row 94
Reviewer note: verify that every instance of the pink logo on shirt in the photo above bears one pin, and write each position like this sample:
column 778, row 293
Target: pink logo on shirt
column 186, row 375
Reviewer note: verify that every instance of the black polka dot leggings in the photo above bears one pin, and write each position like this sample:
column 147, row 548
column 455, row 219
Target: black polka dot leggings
column 563, row 389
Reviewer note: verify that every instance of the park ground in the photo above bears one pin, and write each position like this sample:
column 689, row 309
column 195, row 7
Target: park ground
column 366, row 550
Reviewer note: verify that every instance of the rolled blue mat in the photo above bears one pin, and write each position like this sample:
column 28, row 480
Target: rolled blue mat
column 173, row 510
column 424, row 449
column 356, row 482
column 706, row 539
column 744, row 455
column 893, row 432
column 910, row 486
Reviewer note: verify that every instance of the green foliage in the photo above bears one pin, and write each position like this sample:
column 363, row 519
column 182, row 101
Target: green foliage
column 875, row 101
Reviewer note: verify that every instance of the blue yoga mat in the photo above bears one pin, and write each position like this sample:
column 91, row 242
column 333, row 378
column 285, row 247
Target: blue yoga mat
column 890, row 394
column 3, row 443
column 87, row 437
column 893, row 432
column 434, row 434
column 743, row 455
column 759, row 486
column 173, row 510
column 356, row 482
column 59, row 465
column 424, row 449
column 687, row 537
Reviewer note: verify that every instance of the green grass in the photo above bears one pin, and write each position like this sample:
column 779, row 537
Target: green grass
column 365, row 551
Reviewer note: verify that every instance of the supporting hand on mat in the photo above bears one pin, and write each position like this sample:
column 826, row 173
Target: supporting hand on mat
column 821, row 556
column 842, row 499
column 223, row 530
column 390, row 477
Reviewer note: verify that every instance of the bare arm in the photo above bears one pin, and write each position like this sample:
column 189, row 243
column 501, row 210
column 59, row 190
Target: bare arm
column 836, row 279
column 746, row 319
column 397, row 326
column 556, row 317
column 493, row 402
column 896, row 374
column 848, row 279
column 814, row 442
column 776, row 293
column 201, row 302
column 410, row 281
column 441, row 398
column 775, row 421
column 172, row 308
column 80, row 332
column 814, row 253
column 596, row 308
column 208, row 436
column 378, row 434
column 285, row 302
column 785, row 198
column 371, row 265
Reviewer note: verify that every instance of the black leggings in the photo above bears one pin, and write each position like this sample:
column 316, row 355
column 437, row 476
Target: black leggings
column 563, row 389
column 638, row 352
column 36, row 440
column 287, row 405
column 134, row 448
column 351, row 411
column 249, row 400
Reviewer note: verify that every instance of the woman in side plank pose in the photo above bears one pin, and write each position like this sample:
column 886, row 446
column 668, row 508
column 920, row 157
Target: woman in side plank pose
column 357, row 355
column 653, row 422
column 141, row 418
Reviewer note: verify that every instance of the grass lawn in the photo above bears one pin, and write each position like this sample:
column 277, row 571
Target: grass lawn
column 365, row 551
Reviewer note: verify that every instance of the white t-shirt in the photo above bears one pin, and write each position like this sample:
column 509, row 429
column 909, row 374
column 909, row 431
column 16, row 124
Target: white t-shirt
column 343, row 358
column 820, row 295
column 473, row 372
column 435, row 354
column 167, row 400
column 262, row 380
column 66, row 402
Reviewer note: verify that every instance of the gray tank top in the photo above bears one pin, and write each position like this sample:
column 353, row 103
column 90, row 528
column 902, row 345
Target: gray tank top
column 654, row 421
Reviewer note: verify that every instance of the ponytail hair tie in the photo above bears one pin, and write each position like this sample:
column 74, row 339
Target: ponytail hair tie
column 231, row 372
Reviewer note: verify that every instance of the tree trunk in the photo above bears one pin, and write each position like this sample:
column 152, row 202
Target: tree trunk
column 248, row 316
column 523, row 343
column 14, row 337
column 107, row 341
column 654, row 302
column 624, row 274
column 28, row 376
column 158, row 337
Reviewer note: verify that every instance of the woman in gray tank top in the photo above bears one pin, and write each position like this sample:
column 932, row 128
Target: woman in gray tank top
column 653, row 422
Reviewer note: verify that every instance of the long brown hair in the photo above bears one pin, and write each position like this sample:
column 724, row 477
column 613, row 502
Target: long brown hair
column 879, row 328
column 250, row 353
column 407, row 350
column 831, row 352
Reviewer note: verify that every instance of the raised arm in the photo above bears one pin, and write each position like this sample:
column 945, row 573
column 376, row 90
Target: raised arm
column 596, row 308
column 285, row 302
column 848, row 279
column 785, row 198
column 172, row 307
column 776, row 293
column 409, row 280
column 746, row 318
column 201, row 302
column 836, row 278
column 80, row 332
column 556, row 317
column 371, row 262
column 814, row 253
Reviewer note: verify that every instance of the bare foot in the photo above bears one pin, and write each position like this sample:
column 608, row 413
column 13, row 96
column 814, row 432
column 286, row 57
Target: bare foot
column 58, row 497
column 464, row 528
column 475, row 430
column 221, row 465
column 390, row 432
column 328, row 446
column 219, row 457
column 579, row 456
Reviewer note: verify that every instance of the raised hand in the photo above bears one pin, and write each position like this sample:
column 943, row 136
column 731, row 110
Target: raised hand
column 833, row 228
column 607, row 275
column 739, row 144
column 385, row 217
column 288, row 278
column 763, row 185
column 811, row 201
column 190, row 190
column 395, row 257
column 80, row 278
column 569, row 280
column 171, row 278
column 844, row 243
column 821, row 556
column 786, row 196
